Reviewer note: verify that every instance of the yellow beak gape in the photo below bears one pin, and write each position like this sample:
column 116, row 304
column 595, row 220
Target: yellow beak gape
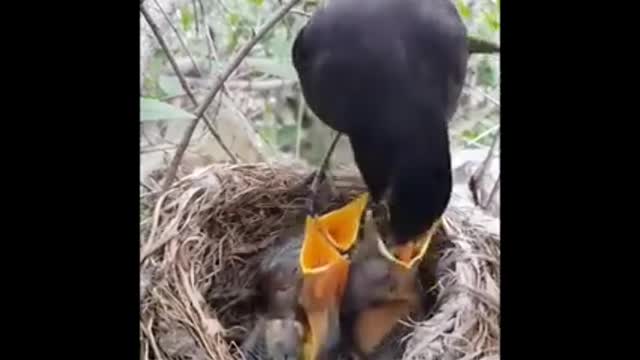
column 325, row 270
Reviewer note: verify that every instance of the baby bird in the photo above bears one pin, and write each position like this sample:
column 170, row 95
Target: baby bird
column 278, row 334
column 302, row 280
column 380, row 292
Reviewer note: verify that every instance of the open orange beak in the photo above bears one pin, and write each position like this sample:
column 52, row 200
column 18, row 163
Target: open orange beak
column 409, row 254
column 325, row 271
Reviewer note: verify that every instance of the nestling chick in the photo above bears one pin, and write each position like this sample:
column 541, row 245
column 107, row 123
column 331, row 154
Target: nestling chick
column 379, row 294
column 278, row 334
column 274, row 339
column 302, row 283
column 325, row 271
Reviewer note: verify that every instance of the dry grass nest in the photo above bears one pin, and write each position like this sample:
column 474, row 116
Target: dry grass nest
column 201, row 242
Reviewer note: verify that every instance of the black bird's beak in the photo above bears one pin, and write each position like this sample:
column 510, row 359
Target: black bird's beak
column 325, row 271
column 409, row 254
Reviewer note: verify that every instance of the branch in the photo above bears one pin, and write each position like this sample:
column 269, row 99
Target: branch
column 301, row 13
column 246, row 85
column 475, row 183
column 479, row 46
column 179, row 37
column 299, row 116
column 235, row 62
column 184, row 143
column 237, row 59
column 476, row 140
column 483, row 94
column 493, row 193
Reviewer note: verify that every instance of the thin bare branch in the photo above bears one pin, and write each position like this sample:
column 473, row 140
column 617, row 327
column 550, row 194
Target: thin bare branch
column 494, row 192
column 211, row 46
column 480, row 93
column 149, row 189
column 179, row 37
column 245, row 85
column 476, row 140
column 480, row 46
column 301, row 13
column 475, row 183
column 242, row 53
column 196, row 16
column 203, row 16
column 173, row 167
column 146, row 330
column 487, row 161
column 299, row 116
column 230, row 68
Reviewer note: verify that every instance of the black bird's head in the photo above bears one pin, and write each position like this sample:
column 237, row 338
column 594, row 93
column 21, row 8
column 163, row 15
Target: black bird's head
column 418, row 195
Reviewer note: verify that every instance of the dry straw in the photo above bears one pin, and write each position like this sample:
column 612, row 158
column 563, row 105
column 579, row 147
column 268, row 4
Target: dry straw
column 201, row 242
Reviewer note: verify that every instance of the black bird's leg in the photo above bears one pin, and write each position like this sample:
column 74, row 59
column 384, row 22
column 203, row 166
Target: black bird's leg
column 320, row 175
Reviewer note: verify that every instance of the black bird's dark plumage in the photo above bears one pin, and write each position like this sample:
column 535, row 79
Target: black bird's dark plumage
column 388, row 74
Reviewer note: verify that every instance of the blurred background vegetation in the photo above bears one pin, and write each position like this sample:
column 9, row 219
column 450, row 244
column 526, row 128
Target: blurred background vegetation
column 260, row 112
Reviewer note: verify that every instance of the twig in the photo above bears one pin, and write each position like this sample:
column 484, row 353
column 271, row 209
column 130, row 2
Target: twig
column 476, row 179
column 149, row 189
column 474, row 91
column 223, row 6
column 179, row 37
column 475, row 140
column 152, row 149
column 148, row 333
column 235, row 62
column 246, row 85
column 195, row 15
column 487, row 161
column 479, row 46
column 238, row 112
column 211, row 46
column 184, row 143
column 203, row 16
column 320, row 173
column 299, row 116
column 231, row 100
column 242, row 53
column 494, row 192
column 301, row 13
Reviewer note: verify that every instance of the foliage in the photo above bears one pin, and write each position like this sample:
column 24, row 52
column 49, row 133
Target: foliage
column 233, row 22
column 156, row 110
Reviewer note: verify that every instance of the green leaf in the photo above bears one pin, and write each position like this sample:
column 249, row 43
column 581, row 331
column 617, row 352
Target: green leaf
column 170, row 85
column 234, row 19
column 155, row 110
column 257, row 3
column 281, row 69
column 186, row 17
column 492, row 20
column 464, row 10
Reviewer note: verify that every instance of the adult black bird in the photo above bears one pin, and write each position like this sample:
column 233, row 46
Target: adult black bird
column 388, row 74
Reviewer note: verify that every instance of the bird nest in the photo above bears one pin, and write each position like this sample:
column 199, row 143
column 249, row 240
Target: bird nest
column 202, row 240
